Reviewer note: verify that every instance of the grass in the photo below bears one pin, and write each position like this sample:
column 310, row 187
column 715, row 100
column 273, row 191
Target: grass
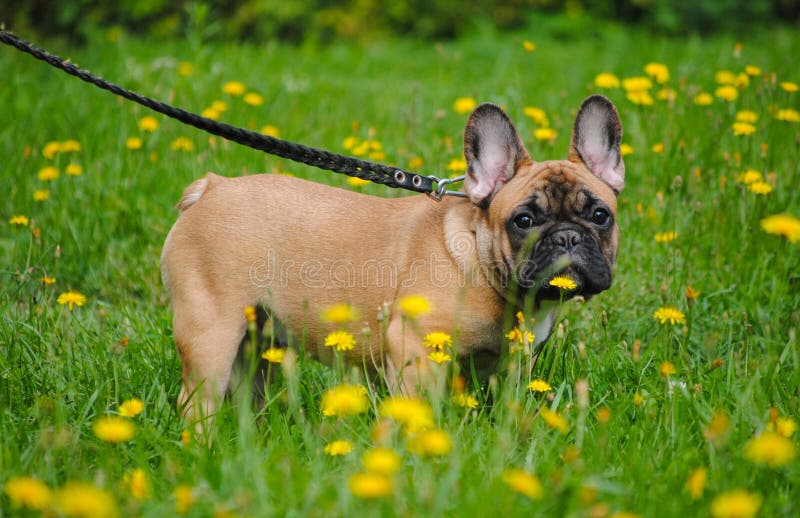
column 630, row 448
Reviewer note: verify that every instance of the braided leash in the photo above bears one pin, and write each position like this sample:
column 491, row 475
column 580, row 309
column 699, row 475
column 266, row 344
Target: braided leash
column 351, row 166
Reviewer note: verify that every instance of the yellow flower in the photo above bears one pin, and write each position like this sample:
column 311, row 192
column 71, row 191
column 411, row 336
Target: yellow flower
column 746, row 116
column 133, row 143
column 785, row 426
column 665, row 237
column 148, row 123
column 437, row 340
column 539, row 385
column 725, row 77
column 735, row 504
column 271, row 131
column 638, row 399
column 233, row 88
column 182, row 144
column 41, row 195
column 657, row 148
column 666, row 94
column 344, row 400
column 341, row 340
column 186, row 437
column 48, row 280
column 529, row 46
column 70, row 146
column 113, row 429
column 79, row 499
column 669, row 314
column 185, row 68
column 184, row 498
column 415, row 162
column 554, row 420
column 537, row 115
column 457, row 165
column 636, row 84
column 383, row 461
column 28, row 492
column 788, row 115
column 465, row 401
column 19, row 220
column 71, row 299
column 522, row 482
column 691, row 293
column 339, row 314
column 131, row 407
column 606, row 80
column 414, row 306
column 717, row 427
column 274, row 354
column 760, row 187
column 741, row 80
column 413, row 414
column 50, row 149
column 703, row 99
column 370, row 485
column 752, row 70
column 430, row 443
column 137, row 483
column 542, row 134
column 750, row 176
column 743, row 129
column 516, row 335
column 563, row 283
column 439, row 357
column 696, row 482
column 210, row 113
column 641, row 97
column 667, row 369
column 357, row 182
column 219, row 106
column 338, row 448
column 48, row 173
column 464, row 105
column 727, row 92
column 253, row 99
column 350, row 142
column 788, row 86
column 249, row 314
column 770, row 448
column 657, row 71
column 626, row 149
column 74, row 170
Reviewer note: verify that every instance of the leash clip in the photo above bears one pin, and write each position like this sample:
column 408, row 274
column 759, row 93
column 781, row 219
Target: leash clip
column 441, row 188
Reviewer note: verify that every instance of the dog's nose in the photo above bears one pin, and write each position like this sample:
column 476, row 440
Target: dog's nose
column 567, row 239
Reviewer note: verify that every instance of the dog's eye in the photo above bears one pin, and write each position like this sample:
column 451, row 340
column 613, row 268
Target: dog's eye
column 600, row 217
column 523, row 221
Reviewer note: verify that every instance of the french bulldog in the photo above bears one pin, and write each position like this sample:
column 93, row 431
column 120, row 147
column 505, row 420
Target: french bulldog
column 294, row 248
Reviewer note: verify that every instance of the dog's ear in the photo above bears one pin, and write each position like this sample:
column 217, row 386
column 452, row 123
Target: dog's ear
column 596, row 137
column 493, row 151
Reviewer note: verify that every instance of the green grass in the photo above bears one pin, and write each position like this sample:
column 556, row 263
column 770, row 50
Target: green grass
column 101, row 234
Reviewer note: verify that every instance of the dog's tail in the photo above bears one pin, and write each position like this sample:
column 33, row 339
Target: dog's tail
column 195, row 191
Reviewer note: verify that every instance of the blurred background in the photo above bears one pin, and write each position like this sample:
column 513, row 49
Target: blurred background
column 324, row 20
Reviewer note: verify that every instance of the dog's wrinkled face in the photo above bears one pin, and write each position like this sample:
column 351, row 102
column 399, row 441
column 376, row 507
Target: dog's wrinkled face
column 535, row 220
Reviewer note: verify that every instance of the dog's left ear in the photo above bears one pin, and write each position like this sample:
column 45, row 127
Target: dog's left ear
column 596, row 138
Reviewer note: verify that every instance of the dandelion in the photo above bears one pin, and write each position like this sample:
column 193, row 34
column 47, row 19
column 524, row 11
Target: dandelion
column 182, row 144
column 665, row 237
column 752, row 70
column 148, row 123
column 184, row 498
column 47, row 281
column 743, row 129
column 529, row 46
column 517, row 335
column 785, row 426
column 235, row 88
column 133, row 143
column 383, row 461
column 770, row 448
column 538, row 115
column 741, row 81
column 788, row 86
column 414, row 306
column 28, row 492
column 131, row 408
column 724, row 77
column 456, row 165
column 522, row 482
column 80, row 499
column 370, row 485
column 787, row 115
column 40, row 195
column 658, row 71
column 430, row 443
column 638, row 399
column 760, row 188
column 338, row 448
column 465, row 401
column 691, row 293
column 19, row 220
column 735, row 504
column 48, row 173
column 746, row 116
column 339, row 314
column 439, row 357
column 50, row 149
column 219, row 106
column 626, row 149
column 137, row 483
column 667, row 369
column 539, row 385
column 274, row 354
column 666, row 94
column 74, row 170
column 640, row 97
column 727, row 92
column 249, row 314
column 669, row 314
column 113, row 429
column 271, row 131
column 749, row 176
column 340, row 340
column 464, row 105
column 542, row 134
column 657, row 148
column 344, row 400
column 357, row 182
column 703, row 99
column 70, row 146
column 185, row 68
column 210, row 113
column 563, row 283
column 606, row 80
column 717, row 427
column 186, row 437
column 415, row 162
column 554, row 420
column 71, row 299
column 696, row 482
column 253, row 99
column 413, row 414
column 437, row 340
column 636, row 84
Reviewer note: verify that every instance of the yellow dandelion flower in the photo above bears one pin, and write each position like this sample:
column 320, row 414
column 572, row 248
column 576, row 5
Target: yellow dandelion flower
column 539, row 385
column 542, row 134
column 184, row 498
column 517, row 335
column 741, row 81
column 667, row 369
column 235, row 88
column 752, row 70
column 148, row 123
column 696, row 482
column 338, row 448
column 563, row 283
column 703, row 99
column 74, row 170
column 430, row 443
column 70, row 146
column 640, row 97
column 636, row 84
column 638, row 399
column 626, row 149
column 133, row 143
column 727, row 92
column 666, row 94
column 457, row 165
column 358, row 182
column 350, row 142
column 253, row 99
column 735, row 504
column 414, row 306
column 185, row 68
column 522, row 482
column 529, row 46
column 785, row 426
column 724, row 77
column 71, row 299
column 137, row 483
column 658, row 148
column 750, row 176
column 717, row 427
column 47, row 281
column 19, row 220
column 274, row 354
column 80, row 499
column 760, row 188
column 415, row 162
column 50, row 149
column 219, row 106
column 48, row 173
column 344, row 400
column 743, row 129
column 383, row 461
column 186, row 437
column 41, row 195
column 113, row 429
column 658, row 71
column 554, row 420
column 370, row 485
column 340, row 340
column 770, row 448
column 538, row 115
column 271, row 131
column 465, row 401
column 691, row 293
column 669, row 314
column 788, row 86
column 413, row 414
column 249, row 314
column 437, row 340
column 464, row 105
column 439, row 357
column 131, row 407
column 28, row 492
column 787, row 115
column 606, row 80
column 210, row 113
column 746, row 116
column 665, row 237
column 182, row 144
column 339, row 314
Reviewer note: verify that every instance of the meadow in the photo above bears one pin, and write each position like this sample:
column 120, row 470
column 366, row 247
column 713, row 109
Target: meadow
column 675, row 393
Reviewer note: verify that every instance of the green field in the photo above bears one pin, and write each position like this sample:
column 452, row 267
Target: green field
column 716, row 392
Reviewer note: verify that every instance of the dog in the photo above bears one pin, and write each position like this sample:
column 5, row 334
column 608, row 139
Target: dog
column 295, row 247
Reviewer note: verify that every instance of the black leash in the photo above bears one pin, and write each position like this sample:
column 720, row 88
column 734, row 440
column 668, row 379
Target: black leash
column 351, row 166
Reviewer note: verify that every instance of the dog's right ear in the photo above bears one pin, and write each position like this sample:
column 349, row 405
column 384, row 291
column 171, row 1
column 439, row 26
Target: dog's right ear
column 494, row 152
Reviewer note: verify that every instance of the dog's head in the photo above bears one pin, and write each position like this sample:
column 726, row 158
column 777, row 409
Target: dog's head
column 535, row 220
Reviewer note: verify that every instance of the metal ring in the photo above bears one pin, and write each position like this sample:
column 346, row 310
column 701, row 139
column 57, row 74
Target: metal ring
column 400, row 177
